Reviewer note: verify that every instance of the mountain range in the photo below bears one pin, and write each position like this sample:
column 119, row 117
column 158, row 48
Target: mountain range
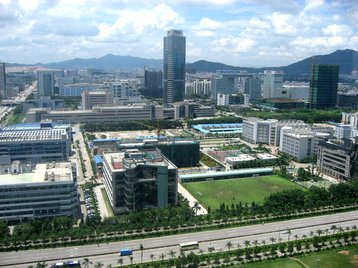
column 347, row 60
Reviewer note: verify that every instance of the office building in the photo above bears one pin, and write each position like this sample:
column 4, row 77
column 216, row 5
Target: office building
column 3, row 92
column 201, row 87
column 75, row 90
column 174, row 67
column 187, row 109
column 96, row 98
column 46, row 83
column 42, row 142
column 97, row 114
column 153, row 83
column 139, row 179
column 253, row 88
column 181, row 152
column 347, row 100
column 47, row 191
column 336, row 158
column 232, row 99
column 256, row 130
column 323, row 86
column 297, row 92
column 272, row 86
column 300, row 143
column 123, row 90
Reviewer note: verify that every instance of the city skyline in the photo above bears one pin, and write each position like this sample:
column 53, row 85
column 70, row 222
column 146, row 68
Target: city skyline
column 241, row 33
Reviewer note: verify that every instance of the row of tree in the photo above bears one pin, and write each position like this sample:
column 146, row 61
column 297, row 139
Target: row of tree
column 131, row 125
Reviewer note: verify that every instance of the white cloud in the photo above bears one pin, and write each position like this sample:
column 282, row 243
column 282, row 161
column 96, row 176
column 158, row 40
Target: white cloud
column 135, row 22
column 283, row 24
column 312, row 4
column 233, row 44
column 337, row 30
column 209, row 24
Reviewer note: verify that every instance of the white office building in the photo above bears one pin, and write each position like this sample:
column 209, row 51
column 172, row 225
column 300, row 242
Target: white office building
column 257, row 130
column 96, row 98
column 272, row 86
column 47, row 191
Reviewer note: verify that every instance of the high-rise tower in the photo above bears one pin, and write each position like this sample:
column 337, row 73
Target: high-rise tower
column 323, row 86
column 3, row 94
column 174, row 67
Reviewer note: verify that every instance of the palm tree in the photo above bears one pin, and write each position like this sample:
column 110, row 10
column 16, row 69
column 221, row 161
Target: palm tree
column 312, row 233
column 172, row 254
column 41, row 265
column 196, row 207
column 333, row 228
column 162, row 256
column 296, row 237
column 256, row 242
column 211, row 249
column 99, row 264
column 238, row 245
column 229, row 245
column 86, row 263
column 247, row 243
column 152, row 257
column 141, row 252
column 120, row 261
column 263, row 242
column 131, row 259
column 272, row 239
column 109, row 266
column 319, row 232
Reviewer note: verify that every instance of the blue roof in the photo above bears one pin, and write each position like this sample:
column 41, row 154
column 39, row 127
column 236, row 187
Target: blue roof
column 35, row 125
column 219, row 128
column 98, row 159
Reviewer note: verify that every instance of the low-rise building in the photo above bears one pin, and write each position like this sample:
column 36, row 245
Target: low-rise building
column 47, row 191
column 96, row 98
column 256, row 130
column 34, row 143
column 336, row 157
column 138, row 179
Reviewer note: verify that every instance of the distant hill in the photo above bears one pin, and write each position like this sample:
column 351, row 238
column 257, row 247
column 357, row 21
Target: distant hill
column 107, row 62
column 347, row 60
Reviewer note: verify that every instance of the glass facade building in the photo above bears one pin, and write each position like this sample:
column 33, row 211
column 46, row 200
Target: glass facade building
column 174, row 67
column 323, row 86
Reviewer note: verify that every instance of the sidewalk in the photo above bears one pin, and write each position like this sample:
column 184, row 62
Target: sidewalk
column 191, row 199
column 101, row 204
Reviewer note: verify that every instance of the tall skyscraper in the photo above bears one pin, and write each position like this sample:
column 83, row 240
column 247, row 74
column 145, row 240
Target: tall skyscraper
column 273, row 85
column 253, row 88
column 46, row 83
column 153, row 83
column 323, row 86
column 3, row 94
column 174, row 67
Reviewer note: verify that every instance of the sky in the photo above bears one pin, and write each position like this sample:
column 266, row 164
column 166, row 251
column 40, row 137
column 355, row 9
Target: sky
column 250, row 33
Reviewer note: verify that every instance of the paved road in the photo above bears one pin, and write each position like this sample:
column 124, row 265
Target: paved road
column 107, row 253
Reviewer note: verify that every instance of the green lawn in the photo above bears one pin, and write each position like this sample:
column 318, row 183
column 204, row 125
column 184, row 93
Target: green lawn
column 343, row 257
column 214, row 193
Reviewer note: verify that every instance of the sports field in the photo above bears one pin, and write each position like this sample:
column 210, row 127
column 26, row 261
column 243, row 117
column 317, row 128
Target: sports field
column 344, row 257
column 233, row 191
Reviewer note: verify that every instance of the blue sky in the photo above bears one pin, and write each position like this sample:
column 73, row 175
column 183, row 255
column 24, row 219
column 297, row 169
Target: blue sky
column 241, row 33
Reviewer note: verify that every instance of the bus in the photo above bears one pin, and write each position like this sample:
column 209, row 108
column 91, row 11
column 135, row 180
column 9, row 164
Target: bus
column 125, row 252
column 189, row 245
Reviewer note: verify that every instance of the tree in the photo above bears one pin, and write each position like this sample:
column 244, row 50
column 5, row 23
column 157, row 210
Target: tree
column 247, row 243
column 196, row 207
column 41, row 265
column 99, row 264
column 229, row 245
column 86, row 263
column 162, row 257
column 141, row 252
column 272, row 239
column 120, row 261
column 152, row 257
column 172, row 254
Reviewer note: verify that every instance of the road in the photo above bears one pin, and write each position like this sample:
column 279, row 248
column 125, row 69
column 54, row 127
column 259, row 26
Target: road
column 108, row 253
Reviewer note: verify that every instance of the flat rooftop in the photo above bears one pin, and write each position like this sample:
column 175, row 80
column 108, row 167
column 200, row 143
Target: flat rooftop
column 58, row 172
column 32, row 135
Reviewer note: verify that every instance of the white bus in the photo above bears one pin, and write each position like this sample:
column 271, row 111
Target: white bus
column 189, row 245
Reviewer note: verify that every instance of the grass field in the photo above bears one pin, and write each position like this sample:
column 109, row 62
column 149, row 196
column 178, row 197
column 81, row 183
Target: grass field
column 233, row 191
column 343, row 257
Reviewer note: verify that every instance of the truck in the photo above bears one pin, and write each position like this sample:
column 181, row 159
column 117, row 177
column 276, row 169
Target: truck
column 125, row 252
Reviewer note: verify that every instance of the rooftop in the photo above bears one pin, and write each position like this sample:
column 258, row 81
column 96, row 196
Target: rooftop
column 43, row 173
column 32, row 135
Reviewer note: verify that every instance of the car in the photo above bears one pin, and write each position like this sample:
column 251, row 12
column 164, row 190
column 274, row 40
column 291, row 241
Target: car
column 287, row 231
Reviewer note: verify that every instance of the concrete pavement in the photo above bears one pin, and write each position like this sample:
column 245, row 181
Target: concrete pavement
column 184, row 192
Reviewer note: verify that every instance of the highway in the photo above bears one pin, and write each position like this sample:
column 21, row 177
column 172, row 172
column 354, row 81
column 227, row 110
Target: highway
column 108, row 253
